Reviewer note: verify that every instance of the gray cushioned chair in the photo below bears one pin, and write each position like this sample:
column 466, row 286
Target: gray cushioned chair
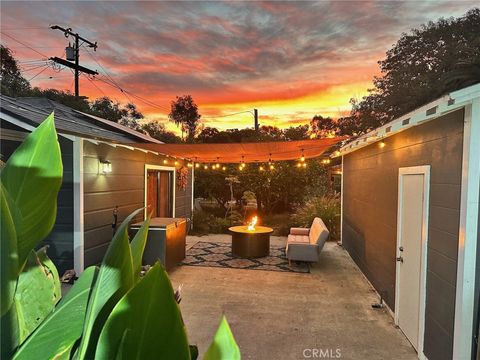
column 305, row 244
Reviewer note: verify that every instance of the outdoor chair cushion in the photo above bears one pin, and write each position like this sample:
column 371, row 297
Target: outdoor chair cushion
column 299, row 231
column 318, row 233
column 306, row 244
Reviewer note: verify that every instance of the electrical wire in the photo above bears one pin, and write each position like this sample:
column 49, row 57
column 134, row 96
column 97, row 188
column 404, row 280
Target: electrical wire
column 26, row 45
column 93, row 83
column 46, row 67
column 221, row 116
column 34, row 68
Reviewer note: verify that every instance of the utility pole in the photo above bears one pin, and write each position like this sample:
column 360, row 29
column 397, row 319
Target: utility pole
column 76, row 55
column 255, row 115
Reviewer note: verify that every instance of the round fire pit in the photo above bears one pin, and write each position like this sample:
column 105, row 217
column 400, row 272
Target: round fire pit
column 250, row 243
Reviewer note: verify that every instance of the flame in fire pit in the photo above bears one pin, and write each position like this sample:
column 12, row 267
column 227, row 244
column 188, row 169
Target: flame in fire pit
column 252, row 223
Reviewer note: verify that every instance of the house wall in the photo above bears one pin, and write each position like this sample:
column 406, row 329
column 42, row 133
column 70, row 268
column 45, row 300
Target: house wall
column 369, row 231
column 60, row 240
column 125, row 187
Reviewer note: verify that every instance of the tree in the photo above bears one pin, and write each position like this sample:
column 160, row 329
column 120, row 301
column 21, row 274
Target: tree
column 158, row 131
column 208, row 135
column 127, row 115
column 322, row 127
column 426, row 63
column 299, row 132
column 12, row 82
column 184, row 113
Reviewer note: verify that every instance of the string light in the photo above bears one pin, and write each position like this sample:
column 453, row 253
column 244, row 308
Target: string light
column 165, row 161
column 190, row 165
column 261, row 168
column 197, row 165
column 224, row 168
column 302, row 159
column 175, row 163
column 272, row 167
column 304, row 165
column 381, row 144
column 206, row 167
column 299, row 165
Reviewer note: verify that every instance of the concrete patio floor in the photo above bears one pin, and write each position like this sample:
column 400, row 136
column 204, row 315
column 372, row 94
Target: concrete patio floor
column 282, row 315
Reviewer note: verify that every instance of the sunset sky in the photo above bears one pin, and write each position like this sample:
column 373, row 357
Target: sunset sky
column 289, row 60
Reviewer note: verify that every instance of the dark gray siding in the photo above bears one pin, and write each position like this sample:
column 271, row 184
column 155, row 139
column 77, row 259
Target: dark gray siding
column 60, row 240
column 370, row 217
column 123, row 187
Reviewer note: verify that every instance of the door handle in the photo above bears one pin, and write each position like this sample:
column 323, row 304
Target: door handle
column 400, row 248
column 400, row 259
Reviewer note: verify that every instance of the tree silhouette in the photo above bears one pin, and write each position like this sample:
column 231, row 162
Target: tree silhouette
column 184, row 113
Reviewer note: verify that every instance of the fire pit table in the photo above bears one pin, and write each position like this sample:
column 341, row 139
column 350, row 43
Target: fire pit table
column 248, row 243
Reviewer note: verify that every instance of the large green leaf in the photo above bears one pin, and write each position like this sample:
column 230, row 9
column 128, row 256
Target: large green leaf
column 152, row 316
column 55, row 337
column 223, row 346
column 138, row 246
column 9, row 256
column 32, row 177
column 114, row 279
column 37, row 292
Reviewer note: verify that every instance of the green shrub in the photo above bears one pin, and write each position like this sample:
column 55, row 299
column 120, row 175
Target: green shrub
column 280, row 223
column 111, row 312
column 205, row 223
column 326, row 207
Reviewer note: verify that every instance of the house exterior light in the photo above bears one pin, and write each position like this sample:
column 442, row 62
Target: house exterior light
column 105, row 166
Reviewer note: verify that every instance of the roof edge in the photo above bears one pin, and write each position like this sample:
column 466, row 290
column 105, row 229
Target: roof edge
column 430, row 111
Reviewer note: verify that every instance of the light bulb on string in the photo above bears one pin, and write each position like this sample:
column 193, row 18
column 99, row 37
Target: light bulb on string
column 302, row 158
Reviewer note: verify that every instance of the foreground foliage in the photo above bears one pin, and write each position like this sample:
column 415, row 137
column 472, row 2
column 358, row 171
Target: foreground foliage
column 111, row 312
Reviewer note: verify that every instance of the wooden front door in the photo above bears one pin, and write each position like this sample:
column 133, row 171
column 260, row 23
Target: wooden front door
column 159, row 193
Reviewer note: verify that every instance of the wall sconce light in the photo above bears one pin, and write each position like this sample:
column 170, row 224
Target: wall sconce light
column 105, row 166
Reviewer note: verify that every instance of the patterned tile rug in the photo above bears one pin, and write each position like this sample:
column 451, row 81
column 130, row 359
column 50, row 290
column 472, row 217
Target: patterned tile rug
column 220, row 255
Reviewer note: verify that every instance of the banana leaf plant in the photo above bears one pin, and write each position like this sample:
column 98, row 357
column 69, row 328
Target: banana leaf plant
column 111, row 312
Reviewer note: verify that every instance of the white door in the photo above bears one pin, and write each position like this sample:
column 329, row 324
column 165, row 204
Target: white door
column 411, row 253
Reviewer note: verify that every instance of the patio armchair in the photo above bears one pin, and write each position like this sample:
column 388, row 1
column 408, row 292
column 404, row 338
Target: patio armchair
column 305, row 244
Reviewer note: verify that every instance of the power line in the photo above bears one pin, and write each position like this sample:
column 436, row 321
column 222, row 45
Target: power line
column 46, row 67
column 93, row 83
column 139, row 98
column 34, row 68
column 221, row 116
column 26, row 45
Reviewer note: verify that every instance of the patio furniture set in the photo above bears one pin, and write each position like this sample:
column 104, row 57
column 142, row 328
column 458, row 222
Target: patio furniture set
column 166, row 241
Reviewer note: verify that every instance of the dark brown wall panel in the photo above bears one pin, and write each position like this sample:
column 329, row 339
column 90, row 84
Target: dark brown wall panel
column 369, row 229
column 123, row 187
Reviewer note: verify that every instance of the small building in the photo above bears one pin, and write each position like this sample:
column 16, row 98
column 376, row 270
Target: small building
column 410, row 215
column 101, row 175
